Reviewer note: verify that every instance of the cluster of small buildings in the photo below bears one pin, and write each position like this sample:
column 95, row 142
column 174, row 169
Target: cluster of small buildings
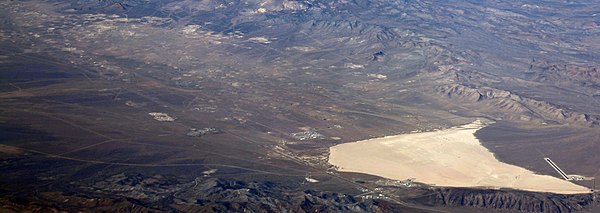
column 163, row 117
column 307, row 135
column 204, row 131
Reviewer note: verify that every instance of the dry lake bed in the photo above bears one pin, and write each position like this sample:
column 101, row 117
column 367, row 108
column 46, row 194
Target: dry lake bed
column 451, row 157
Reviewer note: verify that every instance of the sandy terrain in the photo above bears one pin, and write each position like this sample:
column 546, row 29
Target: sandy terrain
column 450, row 157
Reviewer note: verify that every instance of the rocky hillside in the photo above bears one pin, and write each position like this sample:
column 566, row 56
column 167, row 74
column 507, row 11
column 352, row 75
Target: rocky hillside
column 126, row 193
column 547, row 71
column 508, row 105
column 136, row 192
column 512, row 201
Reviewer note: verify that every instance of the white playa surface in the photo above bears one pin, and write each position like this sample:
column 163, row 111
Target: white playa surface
column 451, row 157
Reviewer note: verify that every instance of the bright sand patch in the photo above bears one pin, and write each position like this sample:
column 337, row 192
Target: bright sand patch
column 450, row 157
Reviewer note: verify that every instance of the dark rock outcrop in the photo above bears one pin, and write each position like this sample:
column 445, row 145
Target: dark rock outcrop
column 507, row 200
